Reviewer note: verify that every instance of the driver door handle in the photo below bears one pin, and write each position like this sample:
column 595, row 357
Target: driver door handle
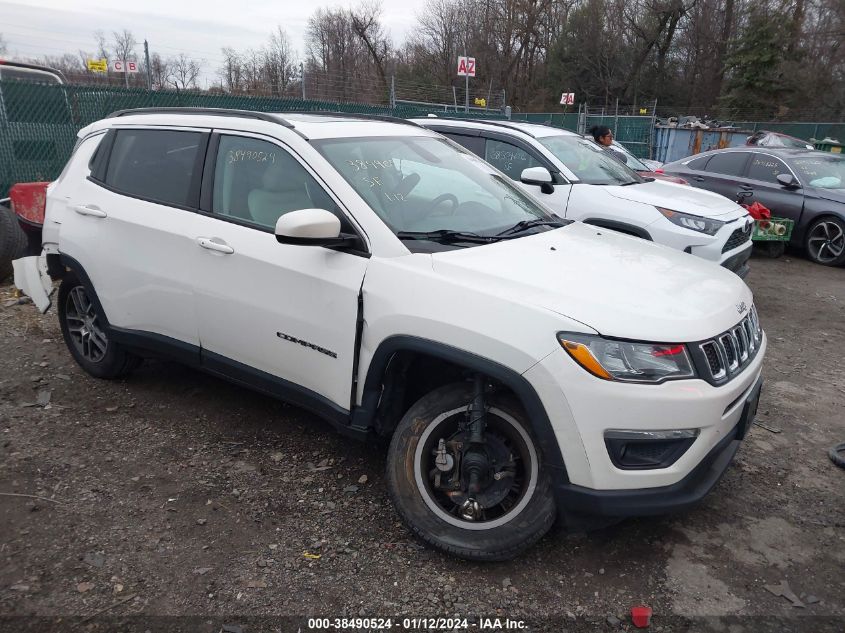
column 94, row 212
column 699, row 179
column 219, row 247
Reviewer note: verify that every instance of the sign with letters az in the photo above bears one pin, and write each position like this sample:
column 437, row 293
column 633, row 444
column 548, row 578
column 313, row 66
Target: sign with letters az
column 119, row 66
column 466, row 66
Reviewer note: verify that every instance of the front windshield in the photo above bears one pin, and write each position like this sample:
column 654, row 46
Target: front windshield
column 588, row 161
column 425, row 184
column 824, row 172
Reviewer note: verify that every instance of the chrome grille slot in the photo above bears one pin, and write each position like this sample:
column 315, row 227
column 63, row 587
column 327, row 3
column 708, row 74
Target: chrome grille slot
column 727, row 354
column 742, row 342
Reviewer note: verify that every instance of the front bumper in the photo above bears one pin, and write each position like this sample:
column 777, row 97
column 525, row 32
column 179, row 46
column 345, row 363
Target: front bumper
column 664, row 499
column 581, row 408
column 738, row 262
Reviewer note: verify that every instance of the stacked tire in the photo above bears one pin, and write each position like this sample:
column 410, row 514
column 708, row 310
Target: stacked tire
column 12, row 241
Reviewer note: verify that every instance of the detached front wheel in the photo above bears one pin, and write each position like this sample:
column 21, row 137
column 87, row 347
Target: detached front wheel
column 484, row 501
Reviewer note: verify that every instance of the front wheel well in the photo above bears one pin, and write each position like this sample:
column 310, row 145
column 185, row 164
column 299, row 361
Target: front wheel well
column 411, row 375
column 404, row 368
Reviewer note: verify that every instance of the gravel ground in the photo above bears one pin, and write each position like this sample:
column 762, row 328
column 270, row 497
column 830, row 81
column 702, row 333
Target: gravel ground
column 175, row 494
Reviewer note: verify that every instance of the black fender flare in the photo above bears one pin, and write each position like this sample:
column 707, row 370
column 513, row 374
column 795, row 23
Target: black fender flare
column 78, row 270
column 621, row 227
column 541, row 426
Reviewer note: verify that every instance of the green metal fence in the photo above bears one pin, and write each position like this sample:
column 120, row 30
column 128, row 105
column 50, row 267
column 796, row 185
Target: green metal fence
column 39, row 122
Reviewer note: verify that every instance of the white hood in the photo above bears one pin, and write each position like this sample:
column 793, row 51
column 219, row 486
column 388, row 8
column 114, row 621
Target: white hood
column 618, row 285
column 683, row 198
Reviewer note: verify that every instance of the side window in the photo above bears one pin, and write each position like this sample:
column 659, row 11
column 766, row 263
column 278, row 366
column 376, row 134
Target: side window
column 766, row 168
column 728, row 163
column 508, row 158
column 258, row 181
column 475, row 144
column 157, row 165
column 698, row 163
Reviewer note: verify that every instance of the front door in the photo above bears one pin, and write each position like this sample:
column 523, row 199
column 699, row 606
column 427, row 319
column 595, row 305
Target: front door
column 762, row 186
column 513, row 160
column 276, row 315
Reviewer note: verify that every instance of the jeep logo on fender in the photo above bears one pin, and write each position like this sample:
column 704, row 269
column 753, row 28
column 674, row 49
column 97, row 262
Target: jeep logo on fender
column 740, row 307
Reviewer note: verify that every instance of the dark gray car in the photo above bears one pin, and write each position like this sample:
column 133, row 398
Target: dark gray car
column 806, row 186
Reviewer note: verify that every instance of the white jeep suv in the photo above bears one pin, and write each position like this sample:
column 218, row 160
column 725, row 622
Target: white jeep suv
column 523, row 367
column 581, row 181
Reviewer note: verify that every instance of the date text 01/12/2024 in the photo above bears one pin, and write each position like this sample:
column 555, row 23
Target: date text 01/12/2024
column 414, row 624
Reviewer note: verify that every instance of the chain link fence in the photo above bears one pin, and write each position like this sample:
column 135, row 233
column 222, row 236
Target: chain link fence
column 39, row 122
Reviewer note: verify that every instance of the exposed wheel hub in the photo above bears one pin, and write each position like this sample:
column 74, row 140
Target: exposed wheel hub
column 482, row 478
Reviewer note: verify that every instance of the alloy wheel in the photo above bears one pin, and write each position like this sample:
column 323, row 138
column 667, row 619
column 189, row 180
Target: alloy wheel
column 826, row 242
column 83, row 325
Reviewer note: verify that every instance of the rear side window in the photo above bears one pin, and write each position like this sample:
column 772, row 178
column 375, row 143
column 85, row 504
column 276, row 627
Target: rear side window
column 766, row 168
column 158, row 165
column 729, row 163
column 475, row 144
column 698, row 163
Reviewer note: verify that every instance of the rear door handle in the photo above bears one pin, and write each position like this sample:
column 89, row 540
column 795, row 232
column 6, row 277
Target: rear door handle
column 210, row 244
column 746, row 188
column 699, row 179
column 94, row 212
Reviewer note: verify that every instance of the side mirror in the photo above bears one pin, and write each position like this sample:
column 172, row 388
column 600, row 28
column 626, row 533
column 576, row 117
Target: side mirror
column 538, row 176
column 788, row 181
column 311, row 227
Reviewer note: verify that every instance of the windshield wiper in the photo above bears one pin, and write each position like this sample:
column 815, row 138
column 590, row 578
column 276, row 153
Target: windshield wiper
column 447, row 236
column 524, row 225
column 633, row 182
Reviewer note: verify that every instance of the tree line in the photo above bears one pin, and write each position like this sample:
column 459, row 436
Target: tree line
column 730, row 59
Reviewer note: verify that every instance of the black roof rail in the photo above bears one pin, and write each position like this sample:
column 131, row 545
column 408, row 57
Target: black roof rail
column 252, row 114
column 497, row 122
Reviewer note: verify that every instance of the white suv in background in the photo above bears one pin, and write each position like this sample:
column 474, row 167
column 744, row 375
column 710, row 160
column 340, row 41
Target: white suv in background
column 524, row 367
column 579, row 181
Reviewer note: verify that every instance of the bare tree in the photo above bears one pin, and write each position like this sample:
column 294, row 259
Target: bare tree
column 183, row 71
column 279, row 62
column 3, row 47
column 159, row 72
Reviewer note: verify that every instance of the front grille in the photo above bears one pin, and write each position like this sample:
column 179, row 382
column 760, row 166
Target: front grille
column 738, row 237
column 727, row 354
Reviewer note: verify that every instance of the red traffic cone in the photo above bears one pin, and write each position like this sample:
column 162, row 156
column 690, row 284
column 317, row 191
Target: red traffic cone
column 641, row 616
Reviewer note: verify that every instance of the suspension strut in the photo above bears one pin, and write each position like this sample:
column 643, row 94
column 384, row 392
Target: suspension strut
column 475, row 460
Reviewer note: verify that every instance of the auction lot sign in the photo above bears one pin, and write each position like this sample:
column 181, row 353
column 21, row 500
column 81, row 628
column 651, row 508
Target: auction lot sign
column 466, row 66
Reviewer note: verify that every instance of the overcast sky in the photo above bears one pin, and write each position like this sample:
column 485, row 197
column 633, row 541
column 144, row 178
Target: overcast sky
column 198, row 28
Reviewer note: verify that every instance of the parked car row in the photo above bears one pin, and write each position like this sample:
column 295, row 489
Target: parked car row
column 524, row 367
column 581, row 181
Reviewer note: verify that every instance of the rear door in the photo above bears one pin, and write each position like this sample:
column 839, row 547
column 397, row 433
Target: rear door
column 762, row 184
column 724, row 174
column 130, row 226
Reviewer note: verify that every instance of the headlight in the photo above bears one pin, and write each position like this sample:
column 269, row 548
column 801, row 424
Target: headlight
column 626, row 361
column 692, row 222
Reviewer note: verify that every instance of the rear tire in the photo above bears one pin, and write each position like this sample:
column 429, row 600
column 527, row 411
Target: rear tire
column 12, row 241
column 85, row 334
column 517, row 508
